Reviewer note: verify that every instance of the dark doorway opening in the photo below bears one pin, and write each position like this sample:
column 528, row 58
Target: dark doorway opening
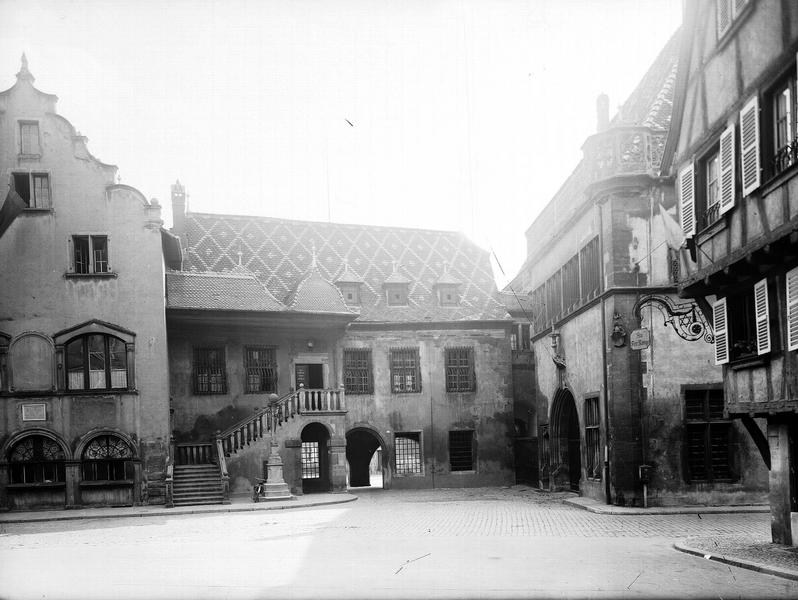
column 315, row 459
column 310, row 376
column 364, row 453
column 566, row 450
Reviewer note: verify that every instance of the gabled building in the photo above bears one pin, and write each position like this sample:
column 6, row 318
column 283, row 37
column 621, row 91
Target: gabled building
column 734, row 153
column 625, row 404
column 336, row 341
column 84, row 388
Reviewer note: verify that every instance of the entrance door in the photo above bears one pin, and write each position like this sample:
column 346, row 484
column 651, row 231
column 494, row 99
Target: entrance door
column 566, row 451
column 310, row 375
column 365, row 458
column 315, row 459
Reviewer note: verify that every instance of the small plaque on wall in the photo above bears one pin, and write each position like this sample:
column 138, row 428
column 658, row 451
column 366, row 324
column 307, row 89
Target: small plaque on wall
column 34, row 412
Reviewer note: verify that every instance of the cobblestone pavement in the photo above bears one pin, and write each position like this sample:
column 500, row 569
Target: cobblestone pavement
column 503, row 543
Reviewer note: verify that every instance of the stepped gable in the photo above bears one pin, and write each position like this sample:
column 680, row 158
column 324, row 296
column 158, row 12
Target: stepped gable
column 280, row 251
column 218, row 291
column 651, row 102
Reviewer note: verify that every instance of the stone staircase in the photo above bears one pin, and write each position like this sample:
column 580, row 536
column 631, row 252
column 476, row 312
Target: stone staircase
column 197, row 484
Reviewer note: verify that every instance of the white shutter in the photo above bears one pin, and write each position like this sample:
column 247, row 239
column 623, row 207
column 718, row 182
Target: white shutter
column 762, row 317
column 687, row 200
column 724, row 9
column 749, row 145
column 792, row 309
column 721, row 332
column 727, row 170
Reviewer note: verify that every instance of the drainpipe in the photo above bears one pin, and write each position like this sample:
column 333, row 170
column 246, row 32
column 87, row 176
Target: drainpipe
column 432, row 438
column 607, row 489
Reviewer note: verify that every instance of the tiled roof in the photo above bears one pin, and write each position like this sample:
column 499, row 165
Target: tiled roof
column 315, row 294
column 279, row 252
column 348, row 276
column 218, row 291
column 651, row 103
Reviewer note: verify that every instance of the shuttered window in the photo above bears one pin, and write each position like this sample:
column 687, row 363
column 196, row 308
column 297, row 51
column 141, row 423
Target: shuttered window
column 358, row 377
column 727, row 170
column 762, row 313
column 707, row 436
column 792, row 309
column 405, row 370
column 687, row 200
column 720, row 324
column 749, row 146
column 460, row 369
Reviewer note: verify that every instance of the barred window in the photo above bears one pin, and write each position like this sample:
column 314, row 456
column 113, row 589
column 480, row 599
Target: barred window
column 707, row 436
column 358, row 377
column 107, row 458
column 36, row 459
column 592, row 438
column 461, row 450
column 407, row 447
column 405, row 370
column 310, row 460
column 260, row 365
column 209, row 371
column 460, row 369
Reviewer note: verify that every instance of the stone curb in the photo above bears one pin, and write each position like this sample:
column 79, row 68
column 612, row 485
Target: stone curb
column 605, row 509
column 739, row 562
column 168, row 512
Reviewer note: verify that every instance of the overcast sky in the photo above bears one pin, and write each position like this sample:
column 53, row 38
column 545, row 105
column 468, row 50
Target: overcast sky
column 455, row 114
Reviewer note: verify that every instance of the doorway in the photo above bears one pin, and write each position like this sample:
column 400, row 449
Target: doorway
column 315, row 459
column 566, row 450
column 310, row 376
column 365, row 455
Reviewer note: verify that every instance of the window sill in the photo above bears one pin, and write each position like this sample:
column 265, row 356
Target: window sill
column 22, row 156
column 37, row 210
column 107, row 483
column 109, row 275
column 749, row 362
column 400, row 475
column 29, row 486
column 470, row 472
column 98, row 392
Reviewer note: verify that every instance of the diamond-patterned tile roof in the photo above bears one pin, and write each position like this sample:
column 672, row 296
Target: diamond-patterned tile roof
column 315, row 294
column 279, row 252
column 218, row 291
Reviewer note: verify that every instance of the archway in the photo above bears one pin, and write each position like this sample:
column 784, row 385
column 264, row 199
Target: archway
column 315, row 459
column 365, row 454
column 566, row 451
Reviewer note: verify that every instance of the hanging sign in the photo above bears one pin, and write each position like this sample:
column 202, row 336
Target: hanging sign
column 640, row 339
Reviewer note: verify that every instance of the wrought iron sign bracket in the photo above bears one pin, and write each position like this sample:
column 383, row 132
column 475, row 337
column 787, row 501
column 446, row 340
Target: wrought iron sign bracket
column 686, row 318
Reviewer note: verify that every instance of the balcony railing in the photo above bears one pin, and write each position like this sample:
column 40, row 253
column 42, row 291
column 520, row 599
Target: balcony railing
column 786, row 157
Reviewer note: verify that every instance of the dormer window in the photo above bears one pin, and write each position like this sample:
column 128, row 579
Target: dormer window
column 396, row 294
column 448, row 295
column 29, row 138
column 351, row 293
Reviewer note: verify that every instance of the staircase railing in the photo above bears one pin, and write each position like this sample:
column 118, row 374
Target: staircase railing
column 223, row 472
column 268, row 419
column 195, row 453
column 170, row 469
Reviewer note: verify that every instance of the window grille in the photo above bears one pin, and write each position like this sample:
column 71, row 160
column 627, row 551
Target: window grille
column 260, row 365
column 36, row 459
column 358, row 378
column 592, row 438
column 310, row 460
column 707, row 436
column 590, row 270
column 96, row 361
column 209, row 371
column 570, row 284
column 407, row 448
column 460, row 369
column 554, row 297
column 540, row 317
column 461, row 450
column 107, row 458
column 405, row 370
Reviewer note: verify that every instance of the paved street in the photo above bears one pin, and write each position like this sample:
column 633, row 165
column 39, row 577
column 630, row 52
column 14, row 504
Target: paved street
column 445, row 543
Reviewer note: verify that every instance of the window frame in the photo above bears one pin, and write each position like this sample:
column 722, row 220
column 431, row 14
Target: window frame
column 592, row 419
column 94, row 267
column 417, row 437
column 33, row 201
column 354, row 289
column 453, row 300
column 264, row 370
column 459, row 369
column 458, row 454
column 700, row 424
column 38, row 466
column 216, row 368
column 358, row 372
column 397, row 356
column 402, row 291
column 22, row 137
column 117, row 469
column 780, row 156
column 85, row 353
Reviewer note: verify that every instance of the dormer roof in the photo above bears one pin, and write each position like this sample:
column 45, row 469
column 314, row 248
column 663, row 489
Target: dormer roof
column 396, row 278
column 447, row 278
column 315, row 294
column 348, row 275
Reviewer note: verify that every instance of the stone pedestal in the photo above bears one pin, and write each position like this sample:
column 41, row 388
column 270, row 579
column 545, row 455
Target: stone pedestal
column 275, row 487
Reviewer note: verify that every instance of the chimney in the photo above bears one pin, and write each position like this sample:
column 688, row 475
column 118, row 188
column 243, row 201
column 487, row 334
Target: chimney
column 602, row 112
column 179, row 211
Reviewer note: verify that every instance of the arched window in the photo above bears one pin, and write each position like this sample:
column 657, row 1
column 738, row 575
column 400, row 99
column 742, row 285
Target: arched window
column 107, row 458
column 96, row 361
column 36, row 459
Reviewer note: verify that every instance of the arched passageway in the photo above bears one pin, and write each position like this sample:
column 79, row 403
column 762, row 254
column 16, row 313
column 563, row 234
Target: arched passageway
column 365, row 455
column 566, row 451
column 315, row 459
